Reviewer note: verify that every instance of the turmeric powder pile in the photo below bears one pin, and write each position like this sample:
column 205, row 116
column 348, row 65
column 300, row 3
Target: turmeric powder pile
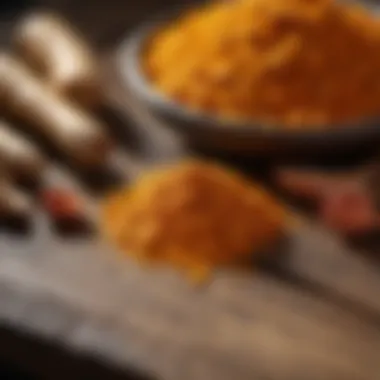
column 194, row 215
column 295, row 63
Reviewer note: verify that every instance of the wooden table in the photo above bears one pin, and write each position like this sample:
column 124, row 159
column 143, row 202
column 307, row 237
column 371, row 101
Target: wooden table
column 314, row 314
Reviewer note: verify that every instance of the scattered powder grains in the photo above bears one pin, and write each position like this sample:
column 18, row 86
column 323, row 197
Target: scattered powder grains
column 291, row 62
column 194, row 216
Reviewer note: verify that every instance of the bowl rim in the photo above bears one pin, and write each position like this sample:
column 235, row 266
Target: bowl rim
column 129, row 63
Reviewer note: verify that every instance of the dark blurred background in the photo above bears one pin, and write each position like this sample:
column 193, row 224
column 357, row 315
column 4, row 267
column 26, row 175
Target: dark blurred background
column 102, row 21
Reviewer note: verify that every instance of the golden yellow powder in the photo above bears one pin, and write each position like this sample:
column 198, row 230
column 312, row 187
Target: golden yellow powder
column 296, row 63
column 194, row 216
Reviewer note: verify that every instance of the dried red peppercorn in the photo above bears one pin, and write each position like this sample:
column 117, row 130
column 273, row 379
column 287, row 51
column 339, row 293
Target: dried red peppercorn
column 344, row 204
column 60, row 203
column 67, row 211
column 349, row 210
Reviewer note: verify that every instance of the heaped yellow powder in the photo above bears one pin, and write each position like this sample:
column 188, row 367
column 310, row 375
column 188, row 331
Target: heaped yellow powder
column 296, row 63
column 194, row 216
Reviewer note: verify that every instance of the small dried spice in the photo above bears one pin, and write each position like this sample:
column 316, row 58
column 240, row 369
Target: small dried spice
column 344, row 204
column 194, row 216
column 67, row 210
column 295, row 63
column 63, row 205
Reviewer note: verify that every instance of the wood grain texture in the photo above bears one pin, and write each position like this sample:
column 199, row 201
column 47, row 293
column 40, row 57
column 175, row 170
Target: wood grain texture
column 239, row 325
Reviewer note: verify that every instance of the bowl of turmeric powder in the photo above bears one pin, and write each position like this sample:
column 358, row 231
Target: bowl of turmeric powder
column 261, row 76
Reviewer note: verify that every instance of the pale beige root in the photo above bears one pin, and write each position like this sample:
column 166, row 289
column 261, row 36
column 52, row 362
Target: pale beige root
column 19, row 157
column 53, row 47
column 13, row 202
column 79, row 136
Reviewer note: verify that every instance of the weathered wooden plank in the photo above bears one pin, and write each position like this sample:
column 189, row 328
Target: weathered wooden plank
column 239, row 325
column 324, row 258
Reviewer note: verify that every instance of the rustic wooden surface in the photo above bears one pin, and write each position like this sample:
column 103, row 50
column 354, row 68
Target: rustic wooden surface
column 314, row 314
